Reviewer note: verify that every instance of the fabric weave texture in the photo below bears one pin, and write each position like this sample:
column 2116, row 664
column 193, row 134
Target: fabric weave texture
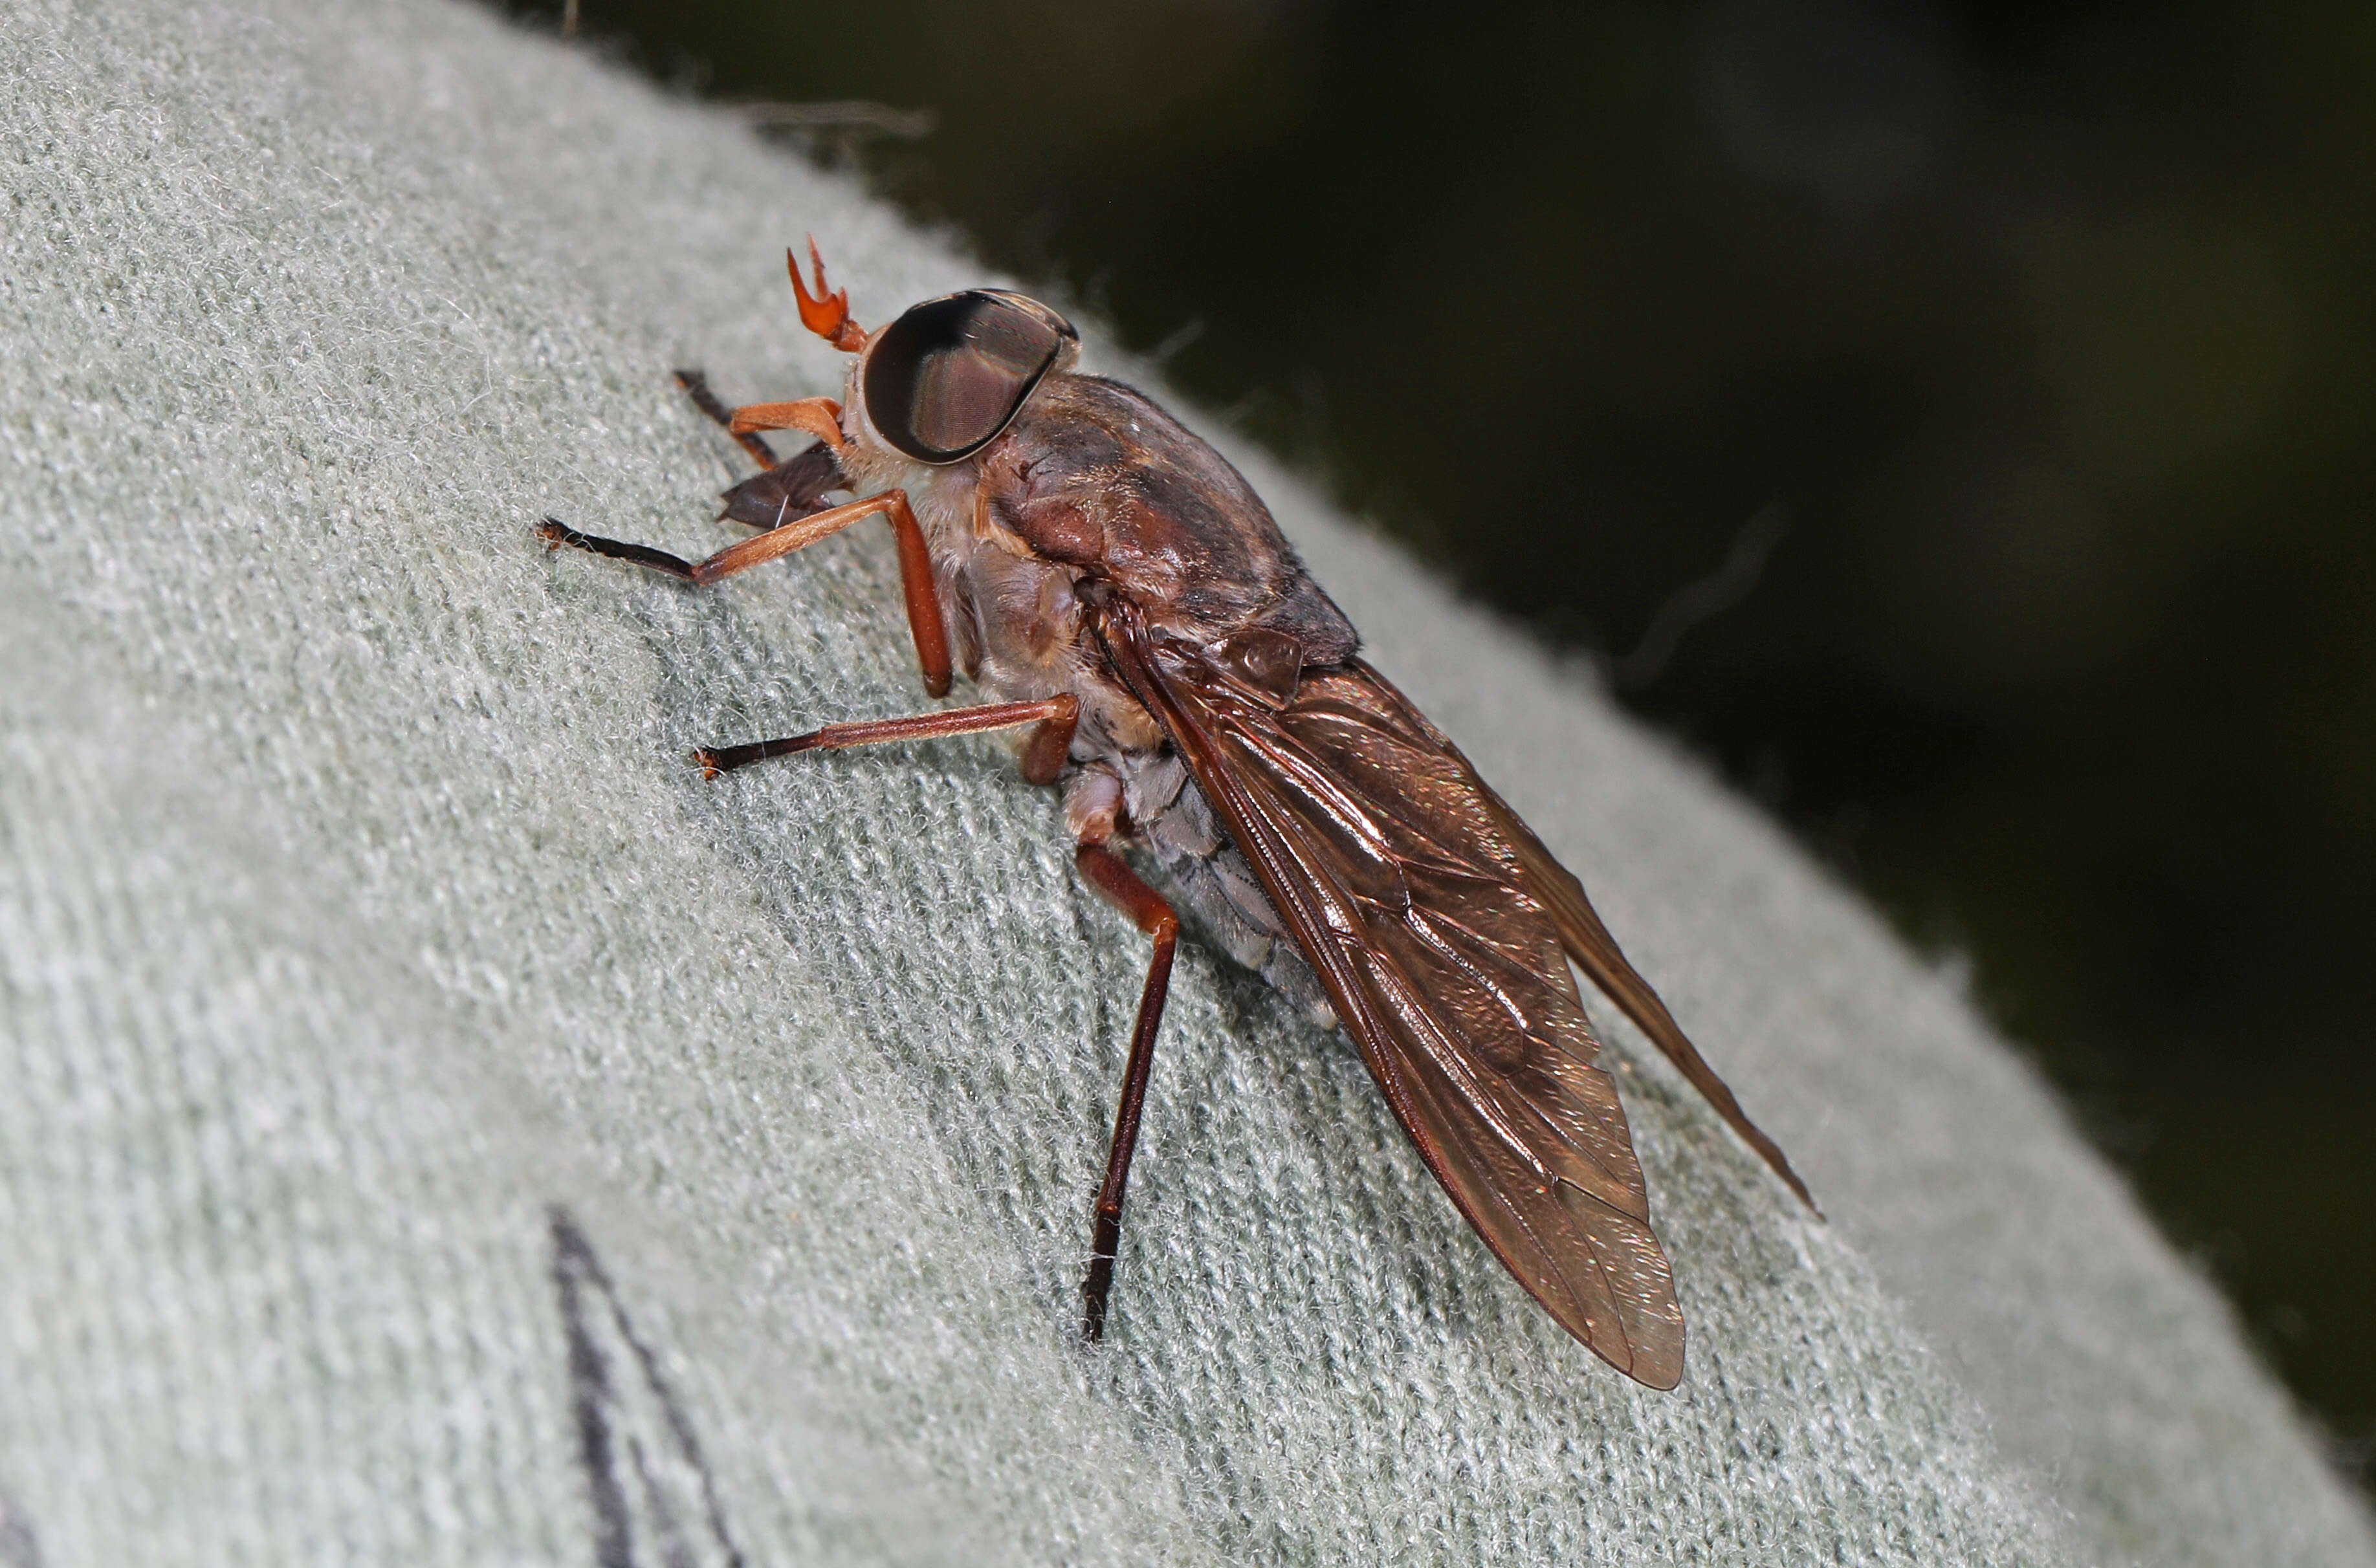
column 441, row 1127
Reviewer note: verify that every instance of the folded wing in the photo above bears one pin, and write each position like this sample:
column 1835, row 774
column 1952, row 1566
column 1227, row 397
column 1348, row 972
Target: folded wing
column 1596, row 954
column 1396, row 870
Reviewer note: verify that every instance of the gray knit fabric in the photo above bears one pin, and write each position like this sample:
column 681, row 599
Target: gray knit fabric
column 441, row 1128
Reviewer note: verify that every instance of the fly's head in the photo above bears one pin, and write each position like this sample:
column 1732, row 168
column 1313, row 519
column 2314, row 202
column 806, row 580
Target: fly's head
column 943, row 380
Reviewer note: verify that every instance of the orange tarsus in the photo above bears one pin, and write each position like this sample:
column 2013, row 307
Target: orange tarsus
column 825, row 313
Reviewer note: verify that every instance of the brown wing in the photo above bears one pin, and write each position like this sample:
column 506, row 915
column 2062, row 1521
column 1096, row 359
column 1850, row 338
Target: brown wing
column 1393, row 867
column 1596, row 954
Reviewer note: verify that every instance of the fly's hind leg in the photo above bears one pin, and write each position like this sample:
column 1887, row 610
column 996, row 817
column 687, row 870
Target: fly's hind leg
column 1121, row 887
column 1054, row 721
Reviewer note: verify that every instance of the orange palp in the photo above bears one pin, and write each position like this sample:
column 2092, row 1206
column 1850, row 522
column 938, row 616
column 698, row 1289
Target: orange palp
column 825, row 313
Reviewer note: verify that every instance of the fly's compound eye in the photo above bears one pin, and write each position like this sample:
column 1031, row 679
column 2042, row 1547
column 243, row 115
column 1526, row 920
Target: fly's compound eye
column 941, row 382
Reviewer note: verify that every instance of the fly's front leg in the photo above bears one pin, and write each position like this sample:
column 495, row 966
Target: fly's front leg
column 924, row 623
column 821, row 417
column 1121, row 887
column 696, row 386
column 788, row 491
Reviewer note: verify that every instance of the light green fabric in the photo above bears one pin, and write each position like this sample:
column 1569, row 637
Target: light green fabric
column 413, row 1068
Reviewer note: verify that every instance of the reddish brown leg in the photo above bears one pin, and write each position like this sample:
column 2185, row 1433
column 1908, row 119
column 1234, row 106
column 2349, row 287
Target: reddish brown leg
column 924, row 622
column 1121, row 887
column 821, row 417
column 1044, row 756
column 696, row 386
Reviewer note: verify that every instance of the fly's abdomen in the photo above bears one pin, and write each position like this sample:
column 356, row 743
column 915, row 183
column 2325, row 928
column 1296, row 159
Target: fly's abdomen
column 1213, row 885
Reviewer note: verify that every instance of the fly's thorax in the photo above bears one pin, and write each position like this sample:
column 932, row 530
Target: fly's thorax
column 1019, row 617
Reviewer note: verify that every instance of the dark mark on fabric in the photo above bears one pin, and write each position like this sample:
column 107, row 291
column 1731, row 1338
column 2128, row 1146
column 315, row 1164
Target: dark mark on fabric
column 655, row 1497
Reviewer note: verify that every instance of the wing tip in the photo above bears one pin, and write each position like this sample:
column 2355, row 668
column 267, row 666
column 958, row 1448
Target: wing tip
column 1639, row 1327
column 1653, row 1360
column 1663, row 1376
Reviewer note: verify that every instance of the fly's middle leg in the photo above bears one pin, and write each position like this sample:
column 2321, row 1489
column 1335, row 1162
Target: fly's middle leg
column 1052, row 718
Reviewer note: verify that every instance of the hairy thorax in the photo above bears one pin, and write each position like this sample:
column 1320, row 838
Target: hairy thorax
column 1094, row 480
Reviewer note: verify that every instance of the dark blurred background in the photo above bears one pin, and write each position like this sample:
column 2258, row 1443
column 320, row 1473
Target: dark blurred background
column 1951, row 419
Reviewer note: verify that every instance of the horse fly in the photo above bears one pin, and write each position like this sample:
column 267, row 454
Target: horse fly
column 1124, row 596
